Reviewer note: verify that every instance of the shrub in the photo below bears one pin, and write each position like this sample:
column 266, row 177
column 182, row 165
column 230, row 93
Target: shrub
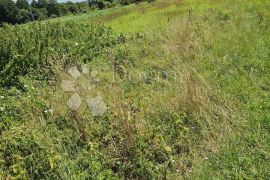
column 107, row 4
column 24, row 16
column 40, row 14
column 101, row 4
column 73, row 9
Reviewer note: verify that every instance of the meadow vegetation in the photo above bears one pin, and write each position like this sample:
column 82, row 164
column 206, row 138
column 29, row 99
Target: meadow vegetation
column 186, row 84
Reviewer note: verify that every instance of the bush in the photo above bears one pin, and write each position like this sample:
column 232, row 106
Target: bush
column 107, row 4
column 101, row 4
column 24, row 16
column 64, row 9
column 54, row 9
column 73, row 9
column 40, row 14
column 114, row 4
column 82, row 7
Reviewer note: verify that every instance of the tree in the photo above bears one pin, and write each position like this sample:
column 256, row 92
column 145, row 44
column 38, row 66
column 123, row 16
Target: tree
column 22, row 4
column 42, row 3
column 72, row 7
column 91, row 2
column 40, row 14
column 101, row 4
column 64, row 9
column 52, row 1
column 24, row 16
column 34, row 4
column 8, row 11
column 54, row 10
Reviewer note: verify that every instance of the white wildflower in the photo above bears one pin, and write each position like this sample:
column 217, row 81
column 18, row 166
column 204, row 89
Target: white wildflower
column 48, row 111
column 2, row 109
column 2, row 97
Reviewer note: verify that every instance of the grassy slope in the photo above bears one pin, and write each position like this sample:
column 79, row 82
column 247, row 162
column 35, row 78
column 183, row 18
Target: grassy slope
column 233, row 58
column 211, row 121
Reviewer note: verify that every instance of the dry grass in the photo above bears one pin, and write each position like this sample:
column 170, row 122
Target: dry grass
column 166, row 4
column 115, row 15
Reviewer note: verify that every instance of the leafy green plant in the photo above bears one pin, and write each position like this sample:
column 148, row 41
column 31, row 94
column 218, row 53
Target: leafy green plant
column 36, row 49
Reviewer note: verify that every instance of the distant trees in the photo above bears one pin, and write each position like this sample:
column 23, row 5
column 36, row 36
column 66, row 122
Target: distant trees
column 101, row 4
column 91, row 2
column 23, row 16
column 42, row 3
column 22, row 12
column 8, row 11
column 39, row 14
column 126, row 2
column 22, row 4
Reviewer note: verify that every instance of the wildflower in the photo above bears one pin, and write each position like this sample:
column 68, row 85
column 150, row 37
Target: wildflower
column 2, row 97
column 48, row 111
column 76, row 44
column 2, row 109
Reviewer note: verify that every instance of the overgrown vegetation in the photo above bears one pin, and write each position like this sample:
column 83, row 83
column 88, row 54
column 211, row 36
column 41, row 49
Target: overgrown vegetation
column 37, row 49
column 186, row 84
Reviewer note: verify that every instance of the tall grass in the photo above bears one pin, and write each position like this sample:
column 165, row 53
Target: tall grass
column 42, row 46
column 186, row 85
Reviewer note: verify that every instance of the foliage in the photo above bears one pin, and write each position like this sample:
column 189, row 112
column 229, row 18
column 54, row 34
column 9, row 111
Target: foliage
column 37, row 47
column 8, row 11
column 22, row 4
column 21, row 11
column 24, row 16
column 186, row 85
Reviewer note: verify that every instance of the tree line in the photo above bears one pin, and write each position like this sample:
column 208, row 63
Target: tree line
column 21, row 11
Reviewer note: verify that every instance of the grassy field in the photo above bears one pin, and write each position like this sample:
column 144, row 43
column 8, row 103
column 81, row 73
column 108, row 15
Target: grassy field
column 186, row 84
